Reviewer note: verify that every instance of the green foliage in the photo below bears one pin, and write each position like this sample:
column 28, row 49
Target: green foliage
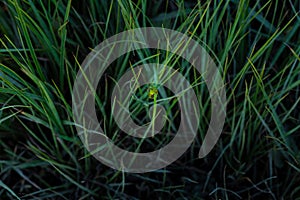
column 256, row 45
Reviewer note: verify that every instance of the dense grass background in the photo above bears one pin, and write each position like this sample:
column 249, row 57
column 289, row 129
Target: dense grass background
column 256, row 45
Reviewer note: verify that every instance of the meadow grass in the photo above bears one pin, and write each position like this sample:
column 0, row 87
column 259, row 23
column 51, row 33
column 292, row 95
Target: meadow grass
column 256, row 45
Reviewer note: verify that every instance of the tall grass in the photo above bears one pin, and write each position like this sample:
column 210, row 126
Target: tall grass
column 256, row 45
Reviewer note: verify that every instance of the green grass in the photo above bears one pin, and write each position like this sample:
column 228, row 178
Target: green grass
column 256, row 45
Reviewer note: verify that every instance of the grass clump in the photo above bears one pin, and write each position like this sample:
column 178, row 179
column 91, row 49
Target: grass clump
column 256, row 45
